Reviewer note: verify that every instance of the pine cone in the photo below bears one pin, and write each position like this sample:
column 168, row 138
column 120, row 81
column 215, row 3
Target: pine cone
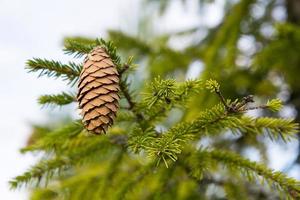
column 98, row 91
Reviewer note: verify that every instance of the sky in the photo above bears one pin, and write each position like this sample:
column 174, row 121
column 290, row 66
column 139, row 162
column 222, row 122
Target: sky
column 34, row 28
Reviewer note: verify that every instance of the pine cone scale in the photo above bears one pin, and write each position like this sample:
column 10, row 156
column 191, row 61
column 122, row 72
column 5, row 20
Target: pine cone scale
column 86, row 77
column 87, row 73
column 98, row 91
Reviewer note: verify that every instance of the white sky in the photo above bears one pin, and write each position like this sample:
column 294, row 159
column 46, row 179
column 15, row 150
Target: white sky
column 34, row 28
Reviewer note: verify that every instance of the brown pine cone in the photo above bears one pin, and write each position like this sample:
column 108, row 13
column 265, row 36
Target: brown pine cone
column 98, row 91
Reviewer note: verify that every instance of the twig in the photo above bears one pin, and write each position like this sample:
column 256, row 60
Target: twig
column 124, row 68
column 124, row 88
column 127, row 95
column 254, row 108
column 218, row 92
column 245, row 100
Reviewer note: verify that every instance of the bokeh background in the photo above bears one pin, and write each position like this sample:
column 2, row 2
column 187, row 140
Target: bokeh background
column 34, row 28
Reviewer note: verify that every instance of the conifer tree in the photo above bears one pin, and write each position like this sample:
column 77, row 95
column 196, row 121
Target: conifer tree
column 172, row 138
column 161, row 163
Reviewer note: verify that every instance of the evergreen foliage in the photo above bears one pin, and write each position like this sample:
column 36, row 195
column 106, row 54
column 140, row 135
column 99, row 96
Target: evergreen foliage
column 58, row 99
column 55, row 69
column 174, row 138
column 100, row 159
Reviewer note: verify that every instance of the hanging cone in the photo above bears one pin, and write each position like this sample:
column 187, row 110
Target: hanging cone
column 98, row 91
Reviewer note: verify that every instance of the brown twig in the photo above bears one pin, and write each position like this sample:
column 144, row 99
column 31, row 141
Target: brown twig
column 238, row 107
column 124, row 68
column 254, row 108
column 221, row 97
column 244, row 102
column 127, row 96
column 124, row 89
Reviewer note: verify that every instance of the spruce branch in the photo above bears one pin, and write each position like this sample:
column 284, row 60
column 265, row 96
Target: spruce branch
column 274, row 128
column 214, row 86
column 68, row 140
column 137, row 176
column 163, row 95
column 76, row 47
column 164, row 184
column 138, row 45
column 172, row 142
column 239, row 107
column 251, row 170
column 162, row 90
column 41, row 172
column 111, row 173
column 124, row 69
column 216, row 121
column 198, row 170
column 274, row 105
column 51, row 142
column 139, row 138
column 124, row 88
column 170, row 58
column 125, row 116
column 73, row 152
column 57, row 99
column 56, row 69
column 67, row 147
column 44, row 193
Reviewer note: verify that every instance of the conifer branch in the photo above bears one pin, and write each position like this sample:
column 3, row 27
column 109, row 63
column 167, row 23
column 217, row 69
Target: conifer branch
column 274, row 128
column 35, row 175
column 136, row 177
column 215, row 121
column 163, row 183
column 69, row 147
column 273, row 105
column 125, row 116
column 197, row 166
column 57, row 99
column 166, row 94
column 68, row 154
column 251, row 170
column 132, row 105
column 125, row 67
column 53, row 68
column 241, row 106
column 124, row 89
column 43, row 193
column 137, row 44
column 52, row 140
column 214, row 86
column 114, row 166
column 77, row 47
column 140, row 48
